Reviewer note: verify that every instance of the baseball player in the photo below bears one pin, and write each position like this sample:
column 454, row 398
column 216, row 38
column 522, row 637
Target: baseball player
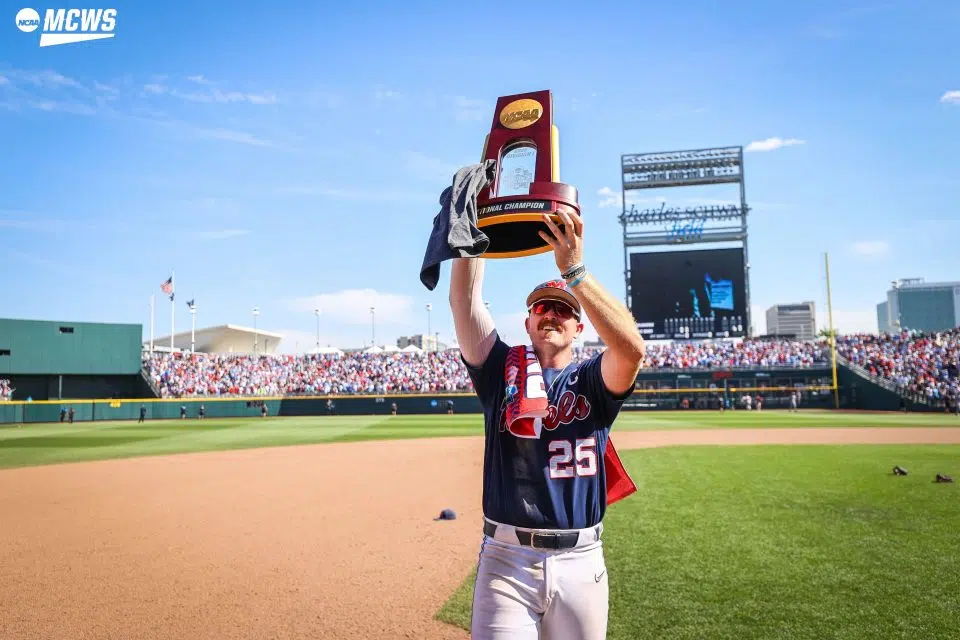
column 541, row 571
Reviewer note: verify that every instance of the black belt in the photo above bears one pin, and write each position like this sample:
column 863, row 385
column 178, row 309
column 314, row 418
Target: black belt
column 537, row 539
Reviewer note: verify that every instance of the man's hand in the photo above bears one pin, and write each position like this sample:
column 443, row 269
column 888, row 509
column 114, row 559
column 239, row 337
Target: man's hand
column 567, row 244
column 611, row 318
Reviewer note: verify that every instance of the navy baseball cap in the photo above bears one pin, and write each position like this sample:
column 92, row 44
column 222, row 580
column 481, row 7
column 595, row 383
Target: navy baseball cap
column 554, row 290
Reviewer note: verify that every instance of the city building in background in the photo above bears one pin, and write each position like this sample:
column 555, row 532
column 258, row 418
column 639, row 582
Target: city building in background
column 915, row 305
column 427, row 343
column 793, row 320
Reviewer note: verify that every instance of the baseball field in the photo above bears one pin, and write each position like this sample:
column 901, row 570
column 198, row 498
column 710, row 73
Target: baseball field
column 325, row 527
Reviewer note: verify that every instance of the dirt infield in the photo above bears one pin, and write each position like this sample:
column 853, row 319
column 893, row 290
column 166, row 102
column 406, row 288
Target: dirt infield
column 290, row 542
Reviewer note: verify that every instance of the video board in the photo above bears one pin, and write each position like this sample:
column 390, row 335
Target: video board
column 679, row 295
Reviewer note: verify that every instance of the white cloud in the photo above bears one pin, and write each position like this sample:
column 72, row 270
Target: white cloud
column 261, row 98
column 234, row 136
column 67, row 107
column 46, row 78
column 226, row 97
column 199, row 79
column 105, row 88
column 773, row 143
column 237, row 96
column 352, row 307
column 611, row 198
column 952, row 97
column 299, row 342
column 156, row 89
column 387, row 94
column 3, row 81
column 220, row 234
column 871, row 248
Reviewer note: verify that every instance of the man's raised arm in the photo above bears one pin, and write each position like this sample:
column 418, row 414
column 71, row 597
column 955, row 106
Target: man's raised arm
column 623, row 357
column 472, row 320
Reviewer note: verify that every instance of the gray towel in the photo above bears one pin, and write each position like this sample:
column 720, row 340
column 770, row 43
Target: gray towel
column 455, row 232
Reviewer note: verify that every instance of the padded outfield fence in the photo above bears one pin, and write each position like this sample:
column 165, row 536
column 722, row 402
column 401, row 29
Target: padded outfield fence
column 23, row 412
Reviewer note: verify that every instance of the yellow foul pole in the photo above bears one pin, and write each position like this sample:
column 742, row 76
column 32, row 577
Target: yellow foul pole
column 833, row 336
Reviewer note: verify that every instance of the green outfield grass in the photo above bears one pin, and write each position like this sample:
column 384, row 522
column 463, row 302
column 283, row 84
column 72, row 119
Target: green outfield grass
column 781, row 542
column 35, row 444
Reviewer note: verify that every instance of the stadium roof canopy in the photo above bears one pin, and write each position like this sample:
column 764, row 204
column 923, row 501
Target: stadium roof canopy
column 227, row 338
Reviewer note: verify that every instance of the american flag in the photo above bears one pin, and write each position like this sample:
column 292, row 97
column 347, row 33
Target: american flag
column 167, row 287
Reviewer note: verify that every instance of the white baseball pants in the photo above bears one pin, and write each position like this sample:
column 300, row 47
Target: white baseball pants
column 524, row 593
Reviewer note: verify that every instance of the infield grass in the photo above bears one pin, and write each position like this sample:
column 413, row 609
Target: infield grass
column 35, row 444
column 781, row 542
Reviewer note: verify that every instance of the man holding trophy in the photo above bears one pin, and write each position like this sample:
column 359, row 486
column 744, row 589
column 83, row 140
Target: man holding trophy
column 550, row 469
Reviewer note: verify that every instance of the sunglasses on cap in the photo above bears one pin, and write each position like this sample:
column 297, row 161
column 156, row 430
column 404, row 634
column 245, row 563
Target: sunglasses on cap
column 560, row 309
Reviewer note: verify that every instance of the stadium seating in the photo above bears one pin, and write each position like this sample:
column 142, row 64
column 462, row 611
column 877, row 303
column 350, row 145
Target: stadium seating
column 184, row 375
column 918, row 364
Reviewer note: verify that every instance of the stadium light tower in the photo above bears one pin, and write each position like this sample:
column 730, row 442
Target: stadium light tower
column 316, row 312
column 429, row 309
column 373, row 326
column 193, row 326
column 256, row 346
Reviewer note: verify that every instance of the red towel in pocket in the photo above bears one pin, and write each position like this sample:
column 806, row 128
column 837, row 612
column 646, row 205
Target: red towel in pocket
column 527, row 405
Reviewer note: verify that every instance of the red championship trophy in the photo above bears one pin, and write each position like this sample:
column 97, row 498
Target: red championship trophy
column 525, row 143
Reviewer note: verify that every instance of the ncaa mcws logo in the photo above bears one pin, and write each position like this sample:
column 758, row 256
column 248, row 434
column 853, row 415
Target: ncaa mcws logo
column 65, row 26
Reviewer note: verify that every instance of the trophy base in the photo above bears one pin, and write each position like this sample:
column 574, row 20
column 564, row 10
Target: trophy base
column 512, row 222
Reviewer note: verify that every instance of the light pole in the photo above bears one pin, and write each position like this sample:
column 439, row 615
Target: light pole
column 373, row 326
column 429, row 309
column 193, row 326
column 256, row 341
column 317, row 313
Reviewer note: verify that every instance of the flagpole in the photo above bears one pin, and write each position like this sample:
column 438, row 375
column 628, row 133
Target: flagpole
column 152, row 307
column 193, row 325
column 173, row 309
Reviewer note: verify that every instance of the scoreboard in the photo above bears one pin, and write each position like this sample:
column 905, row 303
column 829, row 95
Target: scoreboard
column 696, row 294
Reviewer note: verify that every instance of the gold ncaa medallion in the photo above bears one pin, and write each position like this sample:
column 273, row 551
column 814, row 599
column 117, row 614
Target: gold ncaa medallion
column 521, row 113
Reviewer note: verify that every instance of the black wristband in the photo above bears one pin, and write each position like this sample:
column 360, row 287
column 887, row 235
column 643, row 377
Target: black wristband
column 574, row 271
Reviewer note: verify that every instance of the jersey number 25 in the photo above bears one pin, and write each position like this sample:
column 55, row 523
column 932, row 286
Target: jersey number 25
column 562, row 463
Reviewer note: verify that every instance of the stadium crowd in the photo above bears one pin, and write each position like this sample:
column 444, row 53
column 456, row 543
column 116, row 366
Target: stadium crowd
column 180, row 375
column 6, row 391
column 925, row 365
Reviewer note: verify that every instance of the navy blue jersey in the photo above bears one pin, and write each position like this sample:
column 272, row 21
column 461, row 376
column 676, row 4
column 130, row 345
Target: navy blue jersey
column 556, row 481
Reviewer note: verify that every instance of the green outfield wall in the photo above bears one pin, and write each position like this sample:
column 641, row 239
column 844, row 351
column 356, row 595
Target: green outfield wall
column 85, row 410
column 660, row 390
column 40, row 347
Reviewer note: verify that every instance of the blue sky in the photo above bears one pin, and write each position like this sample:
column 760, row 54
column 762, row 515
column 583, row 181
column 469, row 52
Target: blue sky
column 291, row 156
